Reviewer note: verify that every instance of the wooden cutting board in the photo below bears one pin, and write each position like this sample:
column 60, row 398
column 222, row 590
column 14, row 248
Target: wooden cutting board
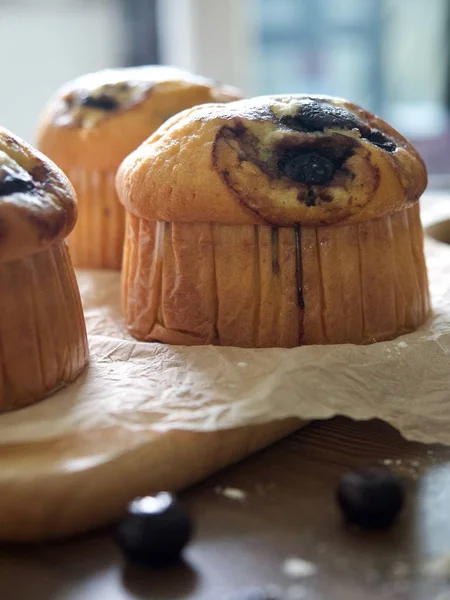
column 80, row 481
column 68, row 481
column 76, row 483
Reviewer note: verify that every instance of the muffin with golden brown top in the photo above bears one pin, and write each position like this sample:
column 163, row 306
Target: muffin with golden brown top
column 93, row 123
column 43, row 343
column 276, row 221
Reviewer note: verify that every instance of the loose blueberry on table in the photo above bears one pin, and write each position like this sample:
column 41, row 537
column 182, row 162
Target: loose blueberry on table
column 155, row 530
column 371, row 498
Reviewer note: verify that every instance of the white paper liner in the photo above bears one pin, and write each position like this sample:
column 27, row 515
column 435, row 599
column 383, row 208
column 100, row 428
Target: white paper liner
column 405, row 382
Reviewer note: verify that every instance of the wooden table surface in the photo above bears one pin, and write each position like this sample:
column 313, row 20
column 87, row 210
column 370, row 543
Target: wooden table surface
column 289, row 512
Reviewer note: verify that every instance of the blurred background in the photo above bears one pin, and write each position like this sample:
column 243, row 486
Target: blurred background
column 392, row 56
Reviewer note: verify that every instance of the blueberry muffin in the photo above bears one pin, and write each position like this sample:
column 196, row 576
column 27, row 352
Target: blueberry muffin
column 300, row 226
column 93, row 123
column 43, row 343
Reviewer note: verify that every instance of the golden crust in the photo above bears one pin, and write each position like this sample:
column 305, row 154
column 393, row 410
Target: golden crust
column 275, row 160
column 75, row 133
column 37, row 201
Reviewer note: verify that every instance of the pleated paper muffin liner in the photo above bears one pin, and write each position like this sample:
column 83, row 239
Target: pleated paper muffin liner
column 43, row 342
column 262, row 286
column 97, row 240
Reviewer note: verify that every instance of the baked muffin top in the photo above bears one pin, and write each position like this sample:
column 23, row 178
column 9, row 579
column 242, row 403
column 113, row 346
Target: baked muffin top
column 112, row 111
column 37, row 202
column 278, row 160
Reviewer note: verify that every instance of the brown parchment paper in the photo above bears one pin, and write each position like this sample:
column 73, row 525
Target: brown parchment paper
column 405, row 382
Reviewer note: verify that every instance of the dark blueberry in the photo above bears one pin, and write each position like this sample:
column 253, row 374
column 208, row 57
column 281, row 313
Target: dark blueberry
column 336, row 147
column 309, row 168
column 102, row 102
column 381, row 140
column 310, row 198
column 12, row 183
column 370, row 498
column 155, row 530
column 316, row 116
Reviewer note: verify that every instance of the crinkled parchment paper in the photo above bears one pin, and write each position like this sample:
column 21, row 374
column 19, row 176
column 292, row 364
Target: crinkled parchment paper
column 405, row 382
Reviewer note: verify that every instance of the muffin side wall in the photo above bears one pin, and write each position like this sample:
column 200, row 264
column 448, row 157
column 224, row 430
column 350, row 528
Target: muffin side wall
column 262, row 286
column 43, row 343
column 97, row 239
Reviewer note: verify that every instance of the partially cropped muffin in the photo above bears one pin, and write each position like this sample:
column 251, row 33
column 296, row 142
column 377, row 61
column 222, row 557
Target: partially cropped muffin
column 276, row 221
column 43, row 344
column 93, row 123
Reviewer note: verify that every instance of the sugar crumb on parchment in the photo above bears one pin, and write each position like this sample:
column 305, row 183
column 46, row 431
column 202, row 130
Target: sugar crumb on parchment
column 231, row 493
column 297, row 568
